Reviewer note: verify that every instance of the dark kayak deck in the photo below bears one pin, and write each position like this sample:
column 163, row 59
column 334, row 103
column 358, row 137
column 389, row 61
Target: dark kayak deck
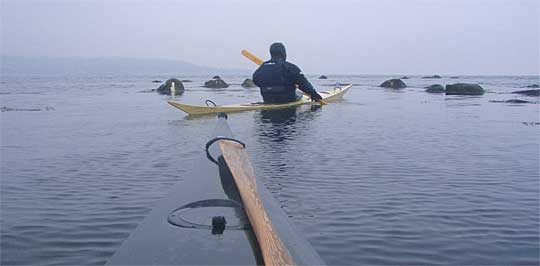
column 178, row 231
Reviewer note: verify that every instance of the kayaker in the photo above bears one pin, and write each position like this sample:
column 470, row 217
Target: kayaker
column 278, row 79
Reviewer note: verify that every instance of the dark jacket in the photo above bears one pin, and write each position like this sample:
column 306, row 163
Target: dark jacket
column 278, row 78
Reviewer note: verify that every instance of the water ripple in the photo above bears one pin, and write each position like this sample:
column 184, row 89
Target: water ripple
column 380, row 178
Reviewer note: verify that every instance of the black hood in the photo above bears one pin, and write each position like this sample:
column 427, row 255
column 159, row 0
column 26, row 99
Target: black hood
column 277, row 51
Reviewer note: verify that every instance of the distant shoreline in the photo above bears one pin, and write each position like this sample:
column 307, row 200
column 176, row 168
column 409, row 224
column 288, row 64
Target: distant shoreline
column 41, row 65
column 75, row 65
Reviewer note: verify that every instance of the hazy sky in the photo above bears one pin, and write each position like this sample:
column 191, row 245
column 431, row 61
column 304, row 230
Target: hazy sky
column 328, row 37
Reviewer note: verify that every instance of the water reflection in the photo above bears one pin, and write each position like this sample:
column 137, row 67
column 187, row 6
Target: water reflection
column 285, row 124
column 280, row 133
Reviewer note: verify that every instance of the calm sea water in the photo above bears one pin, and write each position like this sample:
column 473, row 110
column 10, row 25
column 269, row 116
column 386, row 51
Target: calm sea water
column 383, row 177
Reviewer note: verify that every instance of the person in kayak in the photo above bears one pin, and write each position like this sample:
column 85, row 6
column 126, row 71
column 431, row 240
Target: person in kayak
column 278, row 79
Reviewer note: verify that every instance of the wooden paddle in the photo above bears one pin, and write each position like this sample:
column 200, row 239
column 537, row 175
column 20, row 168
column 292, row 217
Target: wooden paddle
column 252, row 57
column 259, row 62
column 273, row 250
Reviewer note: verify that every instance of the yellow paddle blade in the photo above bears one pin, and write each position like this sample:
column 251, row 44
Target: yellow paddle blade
column 252, row 57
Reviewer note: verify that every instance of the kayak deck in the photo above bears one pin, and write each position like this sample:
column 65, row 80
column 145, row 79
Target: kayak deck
column 330, row 95
column 179, row 229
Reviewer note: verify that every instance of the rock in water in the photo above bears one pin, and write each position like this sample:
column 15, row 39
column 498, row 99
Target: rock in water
column 404, row 77
column 516, row 101
column 435, row 88
column 432, row 77
column 216, row 83
column 533, row 86
column 175, row 84
column 464, row 89
column 394, row 84
column 156, row 81
column 529, row 92
column 248, row 83
column 512, row 101
column 323, row 77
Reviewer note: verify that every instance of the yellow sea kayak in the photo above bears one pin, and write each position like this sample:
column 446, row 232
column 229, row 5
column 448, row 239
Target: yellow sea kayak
column 330, row 95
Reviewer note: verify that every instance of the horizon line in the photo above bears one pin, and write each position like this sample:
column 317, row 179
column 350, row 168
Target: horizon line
column 240, row 69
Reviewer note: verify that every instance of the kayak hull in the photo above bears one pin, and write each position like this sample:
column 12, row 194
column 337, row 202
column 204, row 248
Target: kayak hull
column 330, row 95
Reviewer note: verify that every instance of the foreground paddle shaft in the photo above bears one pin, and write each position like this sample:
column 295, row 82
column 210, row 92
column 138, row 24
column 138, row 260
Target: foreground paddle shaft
column 273, row 250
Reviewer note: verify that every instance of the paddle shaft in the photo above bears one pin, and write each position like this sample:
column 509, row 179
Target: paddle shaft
column 259, row 62
column 272, row 248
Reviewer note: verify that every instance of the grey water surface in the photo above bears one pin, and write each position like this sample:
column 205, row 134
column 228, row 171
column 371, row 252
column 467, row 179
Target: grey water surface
column 382, row 177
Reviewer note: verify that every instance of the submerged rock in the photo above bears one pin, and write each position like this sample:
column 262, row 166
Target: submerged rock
column 8, row 109
column 323, row 77
column 432, row 77
column 512, row 101
column 464, row 89
column 517, row 101
column 186, row 80
column 156, row 81
column 394, row 84
column 529, row 92
column 435, row 88
column 532, row 86
column 248, row 83
column 171, row 86
column 454, row 77
column 531, row 123
column 404, row 77
column 216, row 83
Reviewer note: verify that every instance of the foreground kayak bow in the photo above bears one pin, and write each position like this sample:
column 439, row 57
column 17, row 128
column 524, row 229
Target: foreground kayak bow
column 219, row 214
